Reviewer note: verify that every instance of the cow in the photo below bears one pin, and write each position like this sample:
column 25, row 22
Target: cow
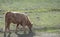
column 18, row 19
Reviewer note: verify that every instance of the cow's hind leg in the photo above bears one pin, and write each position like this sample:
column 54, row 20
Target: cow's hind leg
column 7, row 27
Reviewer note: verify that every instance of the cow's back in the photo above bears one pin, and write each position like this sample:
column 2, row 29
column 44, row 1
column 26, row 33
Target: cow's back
column 15, row 17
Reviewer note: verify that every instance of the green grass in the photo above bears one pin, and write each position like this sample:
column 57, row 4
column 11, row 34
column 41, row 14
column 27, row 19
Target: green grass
column 47, row 20
column 18, row 5
column 41, row 12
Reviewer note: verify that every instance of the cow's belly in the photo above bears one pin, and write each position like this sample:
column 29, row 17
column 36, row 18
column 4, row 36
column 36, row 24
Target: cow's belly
column 16, row 22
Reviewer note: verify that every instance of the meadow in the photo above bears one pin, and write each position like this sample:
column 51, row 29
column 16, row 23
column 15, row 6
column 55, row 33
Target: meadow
column 43, row 14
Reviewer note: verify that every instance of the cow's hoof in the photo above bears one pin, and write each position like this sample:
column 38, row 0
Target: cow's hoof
column 30, row 31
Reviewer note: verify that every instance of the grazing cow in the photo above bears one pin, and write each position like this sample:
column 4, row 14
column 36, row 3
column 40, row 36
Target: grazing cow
column 17, row 18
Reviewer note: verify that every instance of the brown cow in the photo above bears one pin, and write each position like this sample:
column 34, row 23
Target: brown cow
column 17, row 18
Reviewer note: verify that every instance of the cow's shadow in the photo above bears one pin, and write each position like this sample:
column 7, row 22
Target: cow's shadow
column 31, row 34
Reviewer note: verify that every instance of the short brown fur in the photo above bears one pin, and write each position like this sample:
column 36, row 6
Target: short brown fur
column 17, row 18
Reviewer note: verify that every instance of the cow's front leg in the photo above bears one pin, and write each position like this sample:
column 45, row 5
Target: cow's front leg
column 24, row 28
column 30, row 27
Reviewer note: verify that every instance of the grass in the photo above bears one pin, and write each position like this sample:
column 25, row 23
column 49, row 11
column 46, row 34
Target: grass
column 42, row 13
column 45, row 20
column 18, row 5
